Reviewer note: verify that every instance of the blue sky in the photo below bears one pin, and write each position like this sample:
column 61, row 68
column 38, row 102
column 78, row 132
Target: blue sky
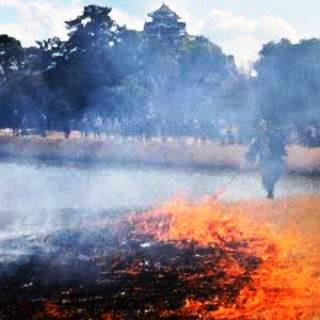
column 240, row 27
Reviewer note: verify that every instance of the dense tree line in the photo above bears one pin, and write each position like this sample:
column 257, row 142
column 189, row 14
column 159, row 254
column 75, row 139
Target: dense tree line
column 108, row 70
column 288, row 81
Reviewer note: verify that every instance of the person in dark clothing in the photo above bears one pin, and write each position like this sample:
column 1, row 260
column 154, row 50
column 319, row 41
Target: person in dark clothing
column 43, row 124
column 85, row 126
column 24, row 125
column 67, row 128
column 269, row 147
column 16, row 121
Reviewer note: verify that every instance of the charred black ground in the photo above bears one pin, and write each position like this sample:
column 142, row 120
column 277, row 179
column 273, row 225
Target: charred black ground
column 105, row 275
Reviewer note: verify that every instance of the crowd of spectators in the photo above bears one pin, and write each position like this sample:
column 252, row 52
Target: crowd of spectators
column 221, row 131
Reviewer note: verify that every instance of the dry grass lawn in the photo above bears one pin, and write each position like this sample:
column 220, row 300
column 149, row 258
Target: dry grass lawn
column 174, row 152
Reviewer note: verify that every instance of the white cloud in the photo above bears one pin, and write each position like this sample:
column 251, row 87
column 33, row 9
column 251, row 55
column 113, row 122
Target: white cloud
column 123, row 18
column 244, row 37
column 39, row 19
column 14, row 30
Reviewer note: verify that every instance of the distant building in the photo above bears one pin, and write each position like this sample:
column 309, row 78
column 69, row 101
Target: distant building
column 165, row 27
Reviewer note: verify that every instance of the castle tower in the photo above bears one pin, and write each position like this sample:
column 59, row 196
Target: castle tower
column 165, row 27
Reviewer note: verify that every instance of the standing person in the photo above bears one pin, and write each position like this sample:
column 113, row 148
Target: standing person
column 16, row 121
column 97, row 126
column 67, row 127
column 43, row 125
column 24, row 125
column 84, row 126
column 269, row 147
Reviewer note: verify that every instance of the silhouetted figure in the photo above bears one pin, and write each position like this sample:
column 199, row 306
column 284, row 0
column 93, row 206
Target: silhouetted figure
column 97, row 126
column 66, row 127
column 43, row 125
column 269, row 147
column 24, row 125
column 85, row 126
column 16, row 123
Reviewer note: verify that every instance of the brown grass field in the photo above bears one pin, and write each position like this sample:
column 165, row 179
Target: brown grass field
column 184, row 152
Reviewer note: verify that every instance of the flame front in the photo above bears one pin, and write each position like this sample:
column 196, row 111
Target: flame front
column 256, row 260
column 285, row 285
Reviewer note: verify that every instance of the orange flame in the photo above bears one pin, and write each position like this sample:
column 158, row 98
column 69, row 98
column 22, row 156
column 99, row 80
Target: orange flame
column 285, row 286
column 52, row 311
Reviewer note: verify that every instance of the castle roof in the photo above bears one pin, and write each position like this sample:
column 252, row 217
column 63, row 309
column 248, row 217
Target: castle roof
column 164, row 11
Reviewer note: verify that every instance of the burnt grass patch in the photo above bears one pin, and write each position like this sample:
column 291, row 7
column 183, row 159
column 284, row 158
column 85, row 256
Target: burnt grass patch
column 101, row 275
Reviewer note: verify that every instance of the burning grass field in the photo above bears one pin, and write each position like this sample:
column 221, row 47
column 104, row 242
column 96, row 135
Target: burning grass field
column 178, row 153
column 205, row 260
